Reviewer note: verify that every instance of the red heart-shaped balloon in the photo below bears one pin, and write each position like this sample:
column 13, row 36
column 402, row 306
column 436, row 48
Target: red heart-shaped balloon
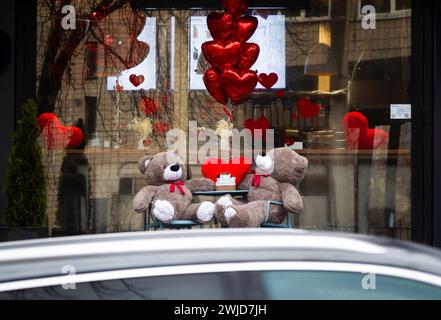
column 136, row 80
column 307, row 109
column 57, row 136
column 238, row 168
column 249, row 52
column 359, row 136
column 221, row 56
column 262, row 124
column 148, row 106
column 74, row 136
column 221, row 25
column 237, row 86
column 245, row 28
column 235, row 7
column 213, row 84
column 268, row 80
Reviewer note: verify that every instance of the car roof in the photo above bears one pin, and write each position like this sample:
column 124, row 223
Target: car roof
column 47, row 257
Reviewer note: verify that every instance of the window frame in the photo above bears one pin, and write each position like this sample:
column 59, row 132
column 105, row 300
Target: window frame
column 393, row 14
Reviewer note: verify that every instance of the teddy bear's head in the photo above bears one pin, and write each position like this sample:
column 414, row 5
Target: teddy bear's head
column 162, row 168
column 284, row 165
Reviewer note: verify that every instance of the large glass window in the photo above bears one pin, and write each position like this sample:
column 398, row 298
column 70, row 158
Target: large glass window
column 342, row 100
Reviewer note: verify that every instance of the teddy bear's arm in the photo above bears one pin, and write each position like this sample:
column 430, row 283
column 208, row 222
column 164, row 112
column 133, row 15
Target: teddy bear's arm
column 245, row 184
column 143, row 198
column 200, row 184
column 291, row 198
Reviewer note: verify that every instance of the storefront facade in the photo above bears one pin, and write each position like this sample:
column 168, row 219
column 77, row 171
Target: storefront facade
column 337, row 63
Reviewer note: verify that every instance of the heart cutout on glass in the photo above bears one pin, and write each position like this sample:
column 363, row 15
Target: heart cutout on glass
column 268, row 80
column 308, row 109
column 238, row 168
column 136, row 80
column 262, row 124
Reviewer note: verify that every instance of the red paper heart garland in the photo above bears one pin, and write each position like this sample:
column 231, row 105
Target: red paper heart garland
column 360, row 136
column 238, row 168
column 57, row 136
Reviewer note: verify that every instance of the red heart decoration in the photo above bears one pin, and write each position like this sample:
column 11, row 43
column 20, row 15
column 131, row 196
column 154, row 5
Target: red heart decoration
column 148, row 106
column 221, row 25
column 161, row 127
column 249, row 52
column 221, row 56
column 74, row 135
column 213, row 84
column 136, row 80
column 359, row 136
column 57, row 136
column 268, row 80
column 238, row 168
column 259, row 124
column 235, row 7
column 238, row 86
column 289, row 141
column 245, row 28
column 307, row 109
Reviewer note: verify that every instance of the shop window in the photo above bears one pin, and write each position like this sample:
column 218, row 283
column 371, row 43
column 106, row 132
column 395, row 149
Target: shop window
column 332, row 74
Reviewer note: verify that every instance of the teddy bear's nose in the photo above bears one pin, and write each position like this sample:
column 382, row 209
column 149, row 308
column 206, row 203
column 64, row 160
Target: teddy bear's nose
column 175, row 168
column 263, row 154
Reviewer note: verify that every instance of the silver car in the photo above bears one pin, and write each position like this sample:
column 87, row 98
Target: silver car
column 257, row 264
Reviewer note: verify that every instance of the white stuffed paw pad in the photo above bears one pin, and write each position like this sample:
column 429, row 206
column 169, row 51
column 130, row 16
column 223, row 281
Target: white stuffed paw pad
column 224, row 201
column 206, row 211
column 163, row 210
column 229, row 213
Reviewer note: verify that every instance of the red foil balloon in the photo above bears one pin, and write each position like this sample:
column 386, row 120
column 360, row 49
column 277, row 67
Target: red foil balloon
column 236, row 7
column 237, row 86
column 360, row 136
column 245, row 28
column 57, row 136
column 221, row 25
column 213, row 84
column 249, row 52
column 221, row 56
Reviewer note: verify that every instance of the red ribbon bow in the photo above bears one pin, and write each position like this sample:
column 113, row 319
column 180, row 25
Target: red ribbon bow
column 256, row 179
column 176, row 184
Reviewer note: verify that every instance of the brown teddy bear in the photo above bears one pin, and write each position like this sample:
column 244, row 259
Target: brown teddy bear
column 275, row 179
column 169, row 192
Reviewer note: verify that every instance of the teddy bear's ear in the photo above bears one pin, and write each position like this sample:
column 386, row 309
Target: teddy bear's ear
column 144, row 162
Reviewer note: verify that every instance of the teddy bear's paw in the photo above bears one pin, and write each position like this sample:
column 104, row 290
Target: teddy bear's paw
column 224, row 201
column 229, row 213
column 163, row 210
column 206, row 211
